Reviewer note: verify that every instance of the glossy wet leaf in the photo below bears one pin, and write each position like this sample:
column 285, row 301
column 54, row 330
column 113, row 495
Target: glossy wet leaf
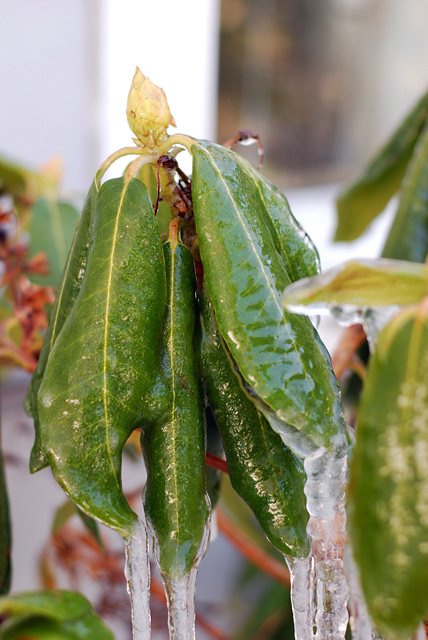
column 361, row 202
column 67, row 292
column 360, row 283
column 284, row 365
column 52, row 227
column 103, row 378
column 297, row 250
column 388, row 492
column 408, row 237
column 51, row 615
column 175, row 500
column 267, row 475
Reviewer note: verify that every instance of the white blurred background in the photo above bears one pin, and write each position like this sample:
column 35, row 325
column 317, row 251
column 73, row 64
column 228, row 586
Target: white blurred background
column 323, row 83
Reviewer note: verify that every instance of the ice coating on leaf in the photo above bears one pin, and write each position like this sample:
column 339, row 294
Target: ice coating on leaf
column 137, row 573
column 181, row 595
column 359, row 284
column 147, row 111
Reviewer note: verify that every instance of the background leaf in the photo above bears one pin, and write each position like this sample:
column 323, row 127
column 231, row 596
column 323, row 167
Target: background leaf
column 51, row 615
column 361, row 202
column 51, row 229
column 408, row 236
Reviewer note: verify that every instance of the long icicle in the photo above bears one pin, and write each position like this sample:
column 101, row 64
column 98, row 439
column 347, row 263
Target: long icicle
column 325, row 501
column 302, row 596
column 180, row 594
column 137, row 573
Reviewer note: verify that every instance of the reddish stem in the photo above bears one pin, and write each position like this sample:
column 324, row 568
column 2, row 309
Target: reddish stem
column 353, row 337
column 217, row 463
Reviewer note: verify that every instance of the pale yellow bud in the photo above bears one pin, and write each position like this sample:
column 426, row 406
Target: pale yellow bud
column 147, row 111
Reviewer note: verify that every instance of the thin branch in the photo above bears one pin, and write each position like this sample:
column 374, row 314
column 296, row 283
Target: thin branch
column 251, row 551
column 217, row 463
column 353, row 337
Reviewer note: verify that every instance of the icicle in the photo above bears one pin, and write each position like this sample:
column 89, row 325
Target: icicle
column 181, row 605
column 361, row 625
column 302, row 596
column 137, row 573
column 325, row 501
column 181, row 595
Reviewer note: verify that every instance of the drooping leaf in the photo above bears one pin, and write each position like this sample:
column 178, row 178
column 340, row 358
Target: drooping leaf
column 297, row 250
column 103, row 378
column 408, row 236
column 388, row 496
column 50, row 615
column 267, row 475
column 67, row 292
column 360, row 283
column 52, row 227
column 280, row 358
column 175, row 501
column 361, row 202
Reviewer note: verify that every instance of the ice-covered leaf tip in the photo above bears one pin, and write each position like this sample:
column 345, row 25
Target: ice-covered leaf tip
column 147, row 111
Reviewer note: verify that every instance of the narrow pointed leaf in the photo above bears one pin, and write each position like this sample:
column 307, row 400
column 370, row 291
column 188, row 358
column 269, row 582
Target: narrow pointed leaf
column 175, row 501
column 283, row 363
column 361, row 202
column 299, row 253
column 52, row 227
column 67, row 292
column 408, row 237
column 51, row 615
column 103, row 378
column 388, row 496
column 267, row 475
column 359, row 283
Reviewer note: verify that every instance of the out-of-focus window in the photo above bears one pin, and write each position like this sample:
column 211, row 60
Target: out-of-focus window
column 322, row 83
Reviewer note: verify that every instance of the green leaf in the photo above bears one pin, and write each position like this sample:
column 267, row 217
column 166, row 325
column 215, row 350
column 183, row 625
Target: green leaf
column 408, row 236
column 67, row 511
column 361, row 202
column 51, row 615
column 148, row 177
column 175, row 501
column 283, row 364
column 267, row 475
column 360, row 283
column 388, row 496
column 297, row 250
column 52, row 227
column 68, row 290
column 103, row 378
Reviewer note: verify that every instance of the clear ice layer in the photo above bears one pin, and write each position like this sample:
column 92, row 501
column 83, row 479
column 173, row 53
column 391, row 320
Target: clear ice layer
column 137, row 573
